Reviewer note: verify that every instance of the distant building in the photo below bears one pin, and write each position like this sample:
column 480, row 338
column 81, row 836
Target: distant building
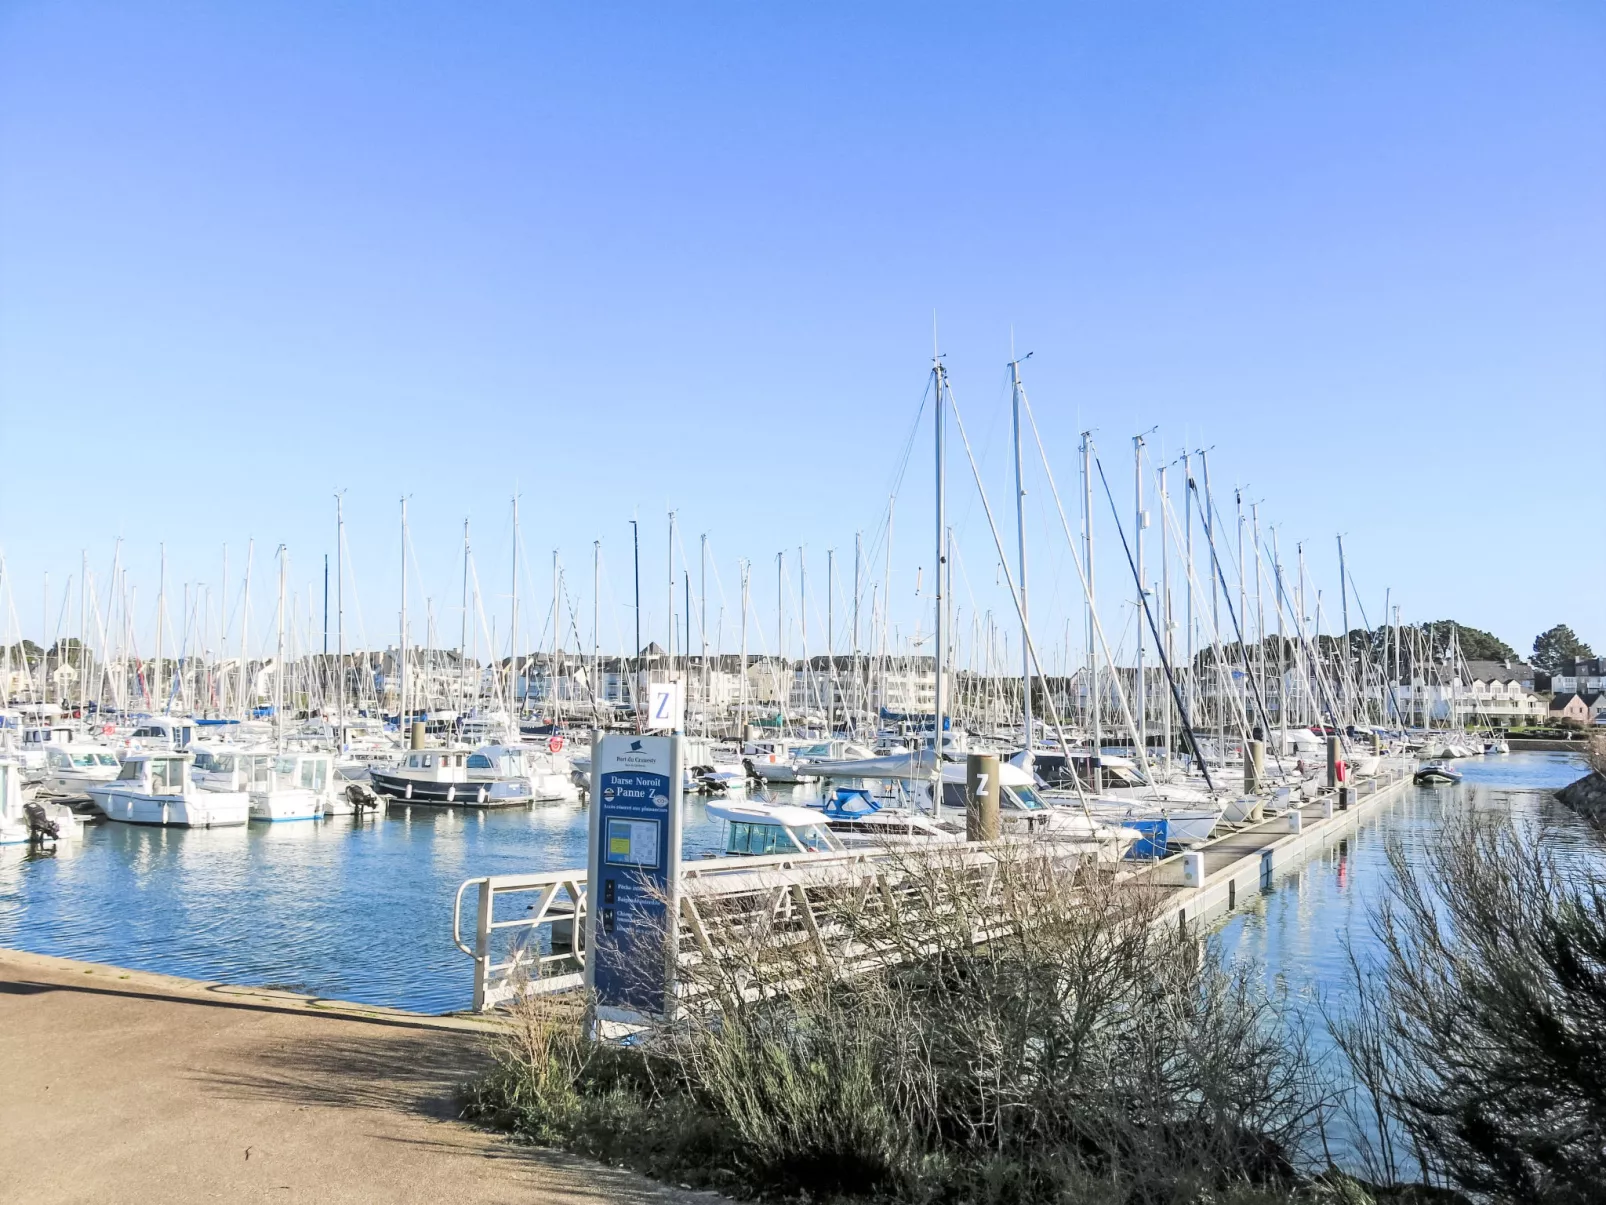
column 1568, row 706
column 1580, row 675
column 1499, row 694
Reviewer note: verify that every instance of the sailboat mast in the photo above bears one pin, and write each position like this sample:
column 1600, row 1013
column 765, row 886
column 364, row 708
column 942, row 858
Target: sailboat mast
column 1165, row 604
column 462, row 634
column 1140, row 693
column 741, row 697
column 596, row 623
column 245, row 616
column 513, row 633
column 939, row 699
column 1020, row 549
column 161, row 614
column 401, row 715
column 1096, row 776
column 702, row 624
column 340, row 622
column 278, row 660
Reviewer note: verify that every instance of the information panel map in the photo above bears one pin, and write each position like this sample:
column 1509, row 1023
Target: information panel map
column 635, row 863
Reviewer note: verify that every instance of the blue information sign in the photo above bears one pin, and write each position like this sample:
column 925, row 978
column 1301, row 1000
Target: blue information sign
column 634, row 873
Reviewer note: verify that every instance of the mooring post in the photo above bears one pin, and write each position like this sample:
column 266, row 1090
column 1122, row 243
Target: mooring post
column 1254, row 765
column 981, row 797
column 1345, row 794
column 1296, row 820
column 416, row 735
column 1332, row 762
column 1327, row 806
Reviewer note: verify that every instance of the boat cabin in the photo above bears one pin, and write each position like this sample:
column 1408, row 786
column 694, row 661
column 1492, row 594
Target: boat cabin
column 81, row 760
column 755, row 828
column 164, row 733
column 435, row 765
column 156, row 773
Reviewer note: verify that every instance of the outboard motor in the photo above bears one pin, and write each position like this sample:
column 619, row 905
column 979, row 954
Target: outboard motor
column 362, row 799
column 40, row 827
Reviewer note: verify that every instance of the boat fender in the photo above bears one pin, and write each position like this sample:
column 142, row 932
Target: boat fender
column 451, row 793
column 409, row 793
column 482, row 795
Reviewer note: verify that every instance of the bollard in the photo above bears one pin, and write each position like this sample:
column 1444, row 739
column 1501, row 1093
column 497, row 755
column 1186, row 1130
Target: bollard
column 1332, row 762
column 1296, row 820
column 1327, row 807
column 1193, row 869
column 1254, row 766
column 416, row 735
column 981, row 797
column 1377, row 745
column 1345, row 794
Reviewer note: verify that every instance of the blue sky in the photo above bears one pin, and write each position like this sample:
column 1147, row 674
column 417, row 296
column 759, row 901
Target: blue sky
column 688, row 257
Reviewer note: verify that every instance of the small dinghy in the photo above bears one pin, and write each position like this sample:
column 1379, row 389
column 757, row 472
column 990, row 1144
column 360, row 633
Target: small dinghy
column 1436, row 774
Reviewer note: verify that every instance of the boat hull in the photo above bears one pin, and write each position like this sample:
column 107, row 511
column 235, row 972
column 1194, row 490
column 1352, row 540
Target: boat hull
column 448, row 794
column 203, row 809
column 285, row 805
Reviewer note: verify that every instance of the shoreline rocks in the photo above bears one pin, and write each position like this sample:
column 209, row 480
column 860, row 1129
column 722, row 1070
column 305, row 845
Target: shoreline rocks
column 1587, row 797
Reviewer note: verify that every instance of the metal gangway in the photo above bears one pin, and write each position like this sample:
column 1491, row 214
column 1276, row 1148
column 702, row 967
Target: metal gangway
column 529, row 929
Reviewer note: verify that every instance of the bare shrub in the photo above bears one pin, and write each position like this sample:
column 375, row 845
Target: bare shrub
column 1018, row 1029
column 1480, row 1035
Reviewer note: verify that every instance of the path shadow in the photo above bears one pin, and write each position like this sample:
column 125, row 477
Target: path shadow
column 418, row 1071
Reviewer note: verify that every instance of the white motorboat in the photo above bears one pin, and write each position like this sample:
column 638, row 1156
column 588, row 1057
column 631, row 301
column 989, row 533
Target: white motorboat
column 546, row 772
column 859, row 819
column 158, row 788
column 300, row 785
column 73, row 769
column 23, row 822
column 754, row 827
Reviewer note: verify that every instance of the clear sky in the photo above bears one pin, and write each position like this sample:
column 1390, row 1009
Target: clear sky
column 646, row 257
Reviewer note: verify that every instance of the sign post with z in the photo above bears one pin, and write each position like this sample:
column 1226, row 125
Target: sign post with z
column 633, row 878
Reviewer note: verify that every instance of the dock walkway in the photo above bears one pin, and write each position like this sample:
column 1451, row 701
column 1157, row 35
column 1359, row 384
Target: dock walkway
column 1210, row 880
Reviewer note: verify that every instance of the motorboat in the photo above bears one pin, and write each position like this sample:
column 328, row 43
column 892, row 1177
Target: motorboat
column 163, row 733
column 491, row 776
column 300, row 785
column 38, row 822
column 755, row 828
column 1498, row 745
column 544, row 771
column 855, row 816
column 158, row 788
column 72, row 769
column 1435, row 774
column 39, row 740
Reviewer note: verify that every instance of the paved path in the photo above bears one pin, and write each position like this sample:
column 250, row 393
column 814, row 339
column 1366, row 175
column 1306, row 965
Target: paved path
column 118, row 1086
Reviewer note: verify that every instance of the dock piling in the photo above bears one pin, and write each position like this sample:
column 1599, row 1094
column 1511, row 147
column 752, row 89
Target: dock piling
column 981, row 797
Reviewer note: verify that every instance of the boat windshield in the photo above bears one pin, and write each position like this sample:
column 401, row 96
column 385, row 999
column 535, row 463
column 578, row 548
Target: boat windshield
column 815, row 751
column 83, row 760
column 751, row 838
column 106, row 759
column 1029, row 798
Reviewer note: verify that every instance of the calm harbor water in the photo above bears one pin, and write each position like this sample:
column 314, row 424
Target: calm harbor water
column 361, row 910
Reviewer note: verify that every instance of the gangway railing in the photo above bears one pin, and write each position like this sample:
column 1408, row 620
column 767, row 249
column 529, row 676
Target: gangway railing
column 545, row 942
column 783, row 901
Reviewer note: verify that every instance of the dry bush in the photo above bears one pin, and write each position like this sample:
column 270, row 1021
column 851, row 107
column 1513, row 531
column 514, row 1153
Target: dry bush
column 1479, row 1035
column 1019, row 1032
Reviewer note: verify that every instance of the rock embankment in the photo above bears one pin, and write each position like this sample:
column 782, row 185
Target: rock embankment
column 1587, row 797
